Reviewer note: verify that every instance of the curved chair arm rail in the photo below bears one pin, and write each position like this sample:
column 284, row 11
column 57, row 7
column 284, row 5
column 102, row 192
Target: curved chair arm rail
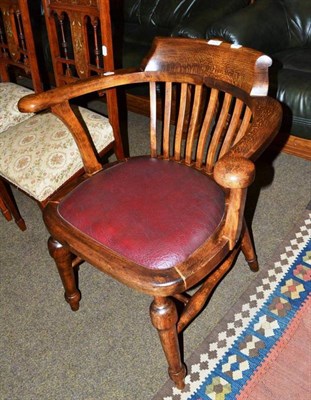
column 52, row 97
column 267, row 119
column 255, row 140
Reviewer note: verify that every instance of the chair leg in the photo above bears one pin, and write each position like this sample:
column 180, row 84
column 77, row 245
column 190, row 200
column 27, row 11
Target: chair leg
column 164, row 318
column 63, row 259
column 248, row 249
column 8, row 200
column 6, row 213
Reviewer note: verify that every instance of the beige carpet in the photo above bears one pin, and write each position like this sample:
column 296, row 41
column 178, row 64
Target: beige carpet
column 108, row 349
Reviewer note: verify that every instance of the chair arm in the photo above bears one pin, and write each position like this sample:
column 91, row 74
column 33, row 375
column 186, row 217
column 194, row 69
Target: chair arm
column 267, row 119
column 262, row 26
column 58, row 101
column 234, row 172
column 38, row 102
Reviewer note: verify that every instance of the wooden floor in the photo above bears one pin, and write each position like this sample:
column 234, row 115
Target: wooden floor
column 294, row 145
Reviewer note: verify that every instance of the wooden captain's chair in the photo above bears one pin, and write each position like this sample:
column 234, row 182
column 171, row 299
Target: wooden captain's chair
column 18, row 59
column 39, row 155
column 165, row 222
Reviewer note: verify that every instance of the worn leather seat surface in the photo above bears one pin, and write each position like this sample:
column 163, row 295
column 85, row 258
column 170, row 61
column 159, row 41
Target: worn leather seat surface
column 154, row 212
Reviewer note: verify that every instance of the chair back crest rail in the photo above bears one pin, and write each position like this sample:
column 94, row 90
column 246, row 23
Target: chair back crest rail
column 17, row 47
column 246, row 69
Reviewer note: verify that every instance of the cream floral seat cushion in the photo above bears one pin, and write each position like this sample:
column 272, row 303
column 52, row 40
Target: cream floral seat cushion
column 10, row 93
column 40, row 154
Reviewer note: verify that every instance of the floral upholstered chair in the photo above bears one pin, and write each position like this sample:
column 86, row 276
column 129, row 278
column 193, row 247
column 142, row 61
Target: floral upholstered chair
column 39, row 172
column 17, row 56
column 38, row 153
column 10, row 94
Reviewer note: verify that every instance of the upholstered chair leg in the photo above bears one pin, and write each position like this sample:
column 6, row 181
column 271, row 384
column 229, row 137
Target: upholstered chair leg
column 11, row 207
column 248, row 250
column 164, row 318
column 63, row 260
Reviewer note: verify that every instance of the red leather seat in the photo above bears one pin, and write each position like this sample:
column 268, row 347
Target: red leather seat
column 153, row 212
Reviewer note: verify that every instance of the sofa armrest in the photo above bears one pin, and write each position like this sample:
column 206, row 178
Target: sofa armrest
column 262, row 26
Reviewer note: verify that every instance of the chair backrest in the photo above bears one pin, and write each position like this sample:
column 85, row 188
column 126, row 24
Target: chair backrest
column 221, row 103
column 213, row 89
column 80, row 41
column 80, row 38
column 17, row 47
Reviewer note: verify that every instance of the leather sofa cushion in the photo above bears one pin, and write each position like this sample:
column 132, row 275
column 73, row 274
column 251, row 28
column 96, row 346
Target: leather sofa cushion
column 159, row 13
column 154, row 212
column 290, row 83
column 203, row 13
column 131, row 10
column 146, row 19
column 298, row 59
column 138, row 35
column 283, row 24
column 294, row 92
column 298, row 21
column 168, row 13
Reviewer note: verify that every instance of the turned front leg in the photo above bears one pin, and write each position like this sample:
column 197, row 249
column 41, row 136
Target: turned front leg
column 164, row 318
column 63, row 260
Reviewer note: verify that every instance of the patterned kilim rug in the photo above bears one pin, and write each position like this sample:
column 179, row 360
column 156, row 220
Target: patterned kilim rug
column 261, row 350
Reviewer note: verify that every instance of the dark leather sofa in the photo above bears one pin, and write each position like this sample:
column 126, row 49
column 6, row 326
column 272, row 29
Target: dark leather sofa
column 145, row 19
column 281, row 29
